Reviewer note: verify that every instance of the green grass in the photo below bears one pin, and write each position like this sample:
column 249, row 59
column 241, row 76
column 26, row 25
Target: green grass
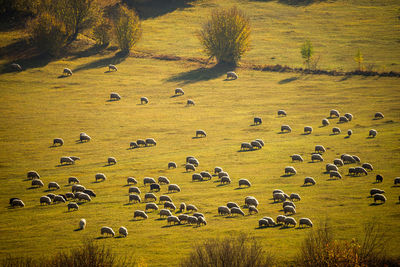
column 37, row 106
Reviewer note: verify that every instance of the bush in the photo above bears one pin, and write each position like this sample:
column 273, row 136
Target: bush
column 128, row 29
column 226, row 36
column 232, row 251
column 307, row 52
column 102, row 31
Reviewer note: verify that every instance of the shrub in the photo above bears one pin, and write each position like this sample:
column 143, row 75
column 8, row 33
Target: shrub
column 307, row 52
column 226, row 36
column 232, row 251
column 102, row 31
column 358, row 57
column 127, row 29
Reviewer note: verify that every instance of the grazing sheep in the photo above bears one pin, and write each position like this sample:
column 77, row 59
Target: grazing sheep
column 112, row 67
column 59, row 198
column 294, row 197
column 255, row 144
column 82, row 224
column 72, row 205
column 289, row 209
column 379, row 178
column 115, row 96
column 141, row 142
column 133, row 145
column 374, row 191
column 396, row 180
column 225, row 180
column 309, row 180
column 222, row 174
column 336, row 130
column 335, row 174
column 349, row 132
column 196, row 177
column 183, row 217
column 352, row 171
column 123, row 231
column 172, row 165
column 280, row 219
column 151, row 206
column 163, row 180
column 182, row 207
column 155, row 187
column 338, row 162
column 194, row 161
column 173, row 219
column 53, row 185
column 343, row 119
column 148, row 180
column 379, row 115
column 85, row 138
column 134, row 189
column 179, row 91
column 252, row 209
column 201, row 133
column 134, row 198
column 131, row 180
column 260, row 141
column 84, row 196
column 372, row 133
column 296, row 157
column 334, row 113
column 200, row 221
column 360, row 170
column 232, row 204
column 305, row 221
column 164, row 198
column 51, row 196
column 150, row 142
column 32, row 175
column 217, row 170
column 45, row 200
column 356, row 158
column 319, row 149
column 206, row 175
column 169, row 205
column 148, row 196
column 16, row 67
column 69, row 195
column 140, row 213
column 281, row 112
column 263, row 223
column 331, row 167
column 111, row 160
column 316, row 157
column 325, row 122
column 379, row 197
column 191, row 207
column 59, row 141
column 73, row 180
column 290, row 170
column 190, row 102
column 257, row 120
column 144, row 100
column 235, row 210
column 308, row 129
column 288, row 203
column 367, row 166
column 286, row 128
column 231, row 75
column 67, row 72
column 37, row 182
column 192, row 220
column 188, row 158
column 77, row 188
column 349, row 116
column 290, row 221
column 189, row 166
column 107, row 230
column 17, row 203
column 173, row 188
column 347, row 158
column 251, row 201
column 246, row 146
column 198, row 215
column 223, row 210
column 244, row 182
column 165, row 212
column 100, row 176
column 279, row 197
column 66, row 160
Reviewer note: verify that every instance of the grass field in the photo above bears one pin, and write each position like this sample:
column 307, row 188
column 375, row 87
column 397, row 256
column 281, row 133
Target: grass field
column 37, row 106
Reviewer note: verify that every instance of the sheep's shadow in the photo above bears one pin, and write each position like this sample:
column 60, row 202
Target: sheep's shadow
column 170, row 225
column 248, row 150
column 160, row 219
column 197, row 137
column 104, row 62
column 376, row 204
column 112, row 100
column 288, row 80
column 32, row 187
column 305, row 134
column 128, row 204
column 219, row 185
column 102, row 237
column 287, row 175
column 200, row 74
column 333, row 134
column 347, row 137
column 240, row 188
column 63, row 76
column 107, row 165
column 96, row 182
column 78, row 229
column 173, row 96
column 369, row 137
column 254, row 124
column 283, row 227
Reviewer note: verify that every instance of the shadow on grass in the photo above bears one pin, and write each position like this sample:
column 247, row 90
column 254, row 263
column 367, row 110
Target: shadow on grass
column 376, row 204
column 219, row 185
column 78, row 229
column 288, row 80
column 305, row 134
column 200, row 74
column 287, row 175
column 104, row 62
column 295, row 3
column 239, row 188
column 172, row 225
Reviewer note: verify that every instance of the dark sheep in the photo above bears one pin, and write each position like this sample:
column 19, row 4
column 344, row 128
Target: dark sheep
column 379, row 178
column 257, row 120
column 155, row 187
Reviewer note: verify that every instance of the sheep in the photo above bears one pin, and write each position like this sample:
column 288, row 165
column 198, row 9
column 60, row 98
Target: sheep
column 319, row 149
column 198, row 215
column 360, row 170
column 85, row 138
column 133, row 145
column 84, row 196
column 338, row 162
column 223, row 210
column 379, row 115
column 123, row 231
column 348, row 159
column 82, row 224
column 59, row 141
column 372, row 133
column 67, row 72
column 349, row 132
column 72, row 205
column 335, row 174
column 316, row 157
column 255, row 144
column 148, row 180
column 173, row 219
column 289, row 209
column 309, row 180
column 111, row 160
column 155, row 187
column 356, row 158
column 107, row 230
column 260, row 141
column 281, row 112
column 244, row 182
column 164, row 198
column 295, row 196
column 112, row 67
column 115, row 96
column 172, row 165
column 134, row 198
column 290, row 221
column 200, row 221
column 150, row 142
column 190, row 102
column 100, row 176
column 196, row 177
column 183, row 217
column 396, row 180
column 192, row 220
column 336, row 130
column 173, row 188
column 205, row 175
column 59, row 198
column 349, row 116
column 45, row 200
column 305, row 221
column 252, row 209
column 165, row 212
column 37, row 182
column 73, row 180
column 232, row 204
column 144, row 100
column 163, row 180
column 148, row 196
column 352, row 171
column 169, row 205
column 245, row 146
column 290, row 170
column 279, row 197
column 379, row 178
column 16, row 67
column 141, row 142
column 217, row 170
column 367, row 166
column 151, row 206
column 296, row 157
column 262, row 223
column 17, row 203
column 66, row 160
column 331, row 167
column 251, row 201
column 231, row 75
column 257, row 120
column 194, row 161
column 280, row 219
column 53, row 185
column 374, row 191
column 225, row 180
column 179, row 91
column 131, row 180
column 288, row 203
column 182, row 207
column 140, row 213
column 189, row 166
column 333, row 113
column 134, row 189
column 191, row 207
column 286, row 128
column 51, row 196
column 32, row 175
column 379, row 197
column 325, row 122
column 77, row 188
column 222, row 174
column 308, row 129
column 235, row 210
column 343, row 119
column 201, row 133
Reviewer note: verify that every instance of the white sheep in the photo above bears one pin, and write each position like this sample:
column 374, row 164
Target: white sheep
column 148, row 196
column 172, row 165
column 252, row 209
column 100, row 176
column 281, row 112
column 134, row 198
column 280, row 219
column 182, row 207
column 73, row 180
column 246, row 146
column 201, row 133
column 305, row 221
column 316, row 157
column 379, row 115
column 123, row 231
column 336, row 130
column 107, row 230
column 222, row 174
column 290, row 221
column 148, row 180
column 349, row 116
column 140, row 213
column 67, row 72
column 270, row 221
column 174, row 188
column 16, row 67
column 343, row 119
column 338, row 162
column 320, row 149
column 17, row 203
column 232, row 204
column 286, row 128
column 82, row 224
column 112, row 67
column 194, row 161
column 191, row 207
column 134, row 189
column 173, row 219
column 59, row 141
column 296, row 157
column 235, row 210
column 53, row 185
column 189, row 166
column 111, row 160
column 372, row 133
column 251, row 201
column 295, row 196
column 144, row 100
column 289, row 209
column 151, row 206
column 33, row 175
column 290, row 170
column 150, row 142
column 256, row 144
column 77, row 188
column 244, row 182
column 333, row 113
column 201, row 220
column 73, row 205
column 325, row 122
column 164, row 198
column 223, row 210
column 379, row 197
column 190, row 102
column 85, row 138
column 231, row 75
column 169, row 205
column 192, row 220
column 37, row 182
column 331, row 167
column 335, row 174
column 66, row 160
column 179, row 91
column 225, row 180
column 206, row 175
column 131, row 180
column 165, row 212
column 84, row 196
column 308, row 129
column 115, row 96
column 59, row 198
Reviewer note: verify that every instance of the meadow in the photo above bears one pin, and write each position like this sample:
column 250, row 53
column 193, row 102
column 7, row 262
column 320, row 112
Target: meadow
column 36, row 105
